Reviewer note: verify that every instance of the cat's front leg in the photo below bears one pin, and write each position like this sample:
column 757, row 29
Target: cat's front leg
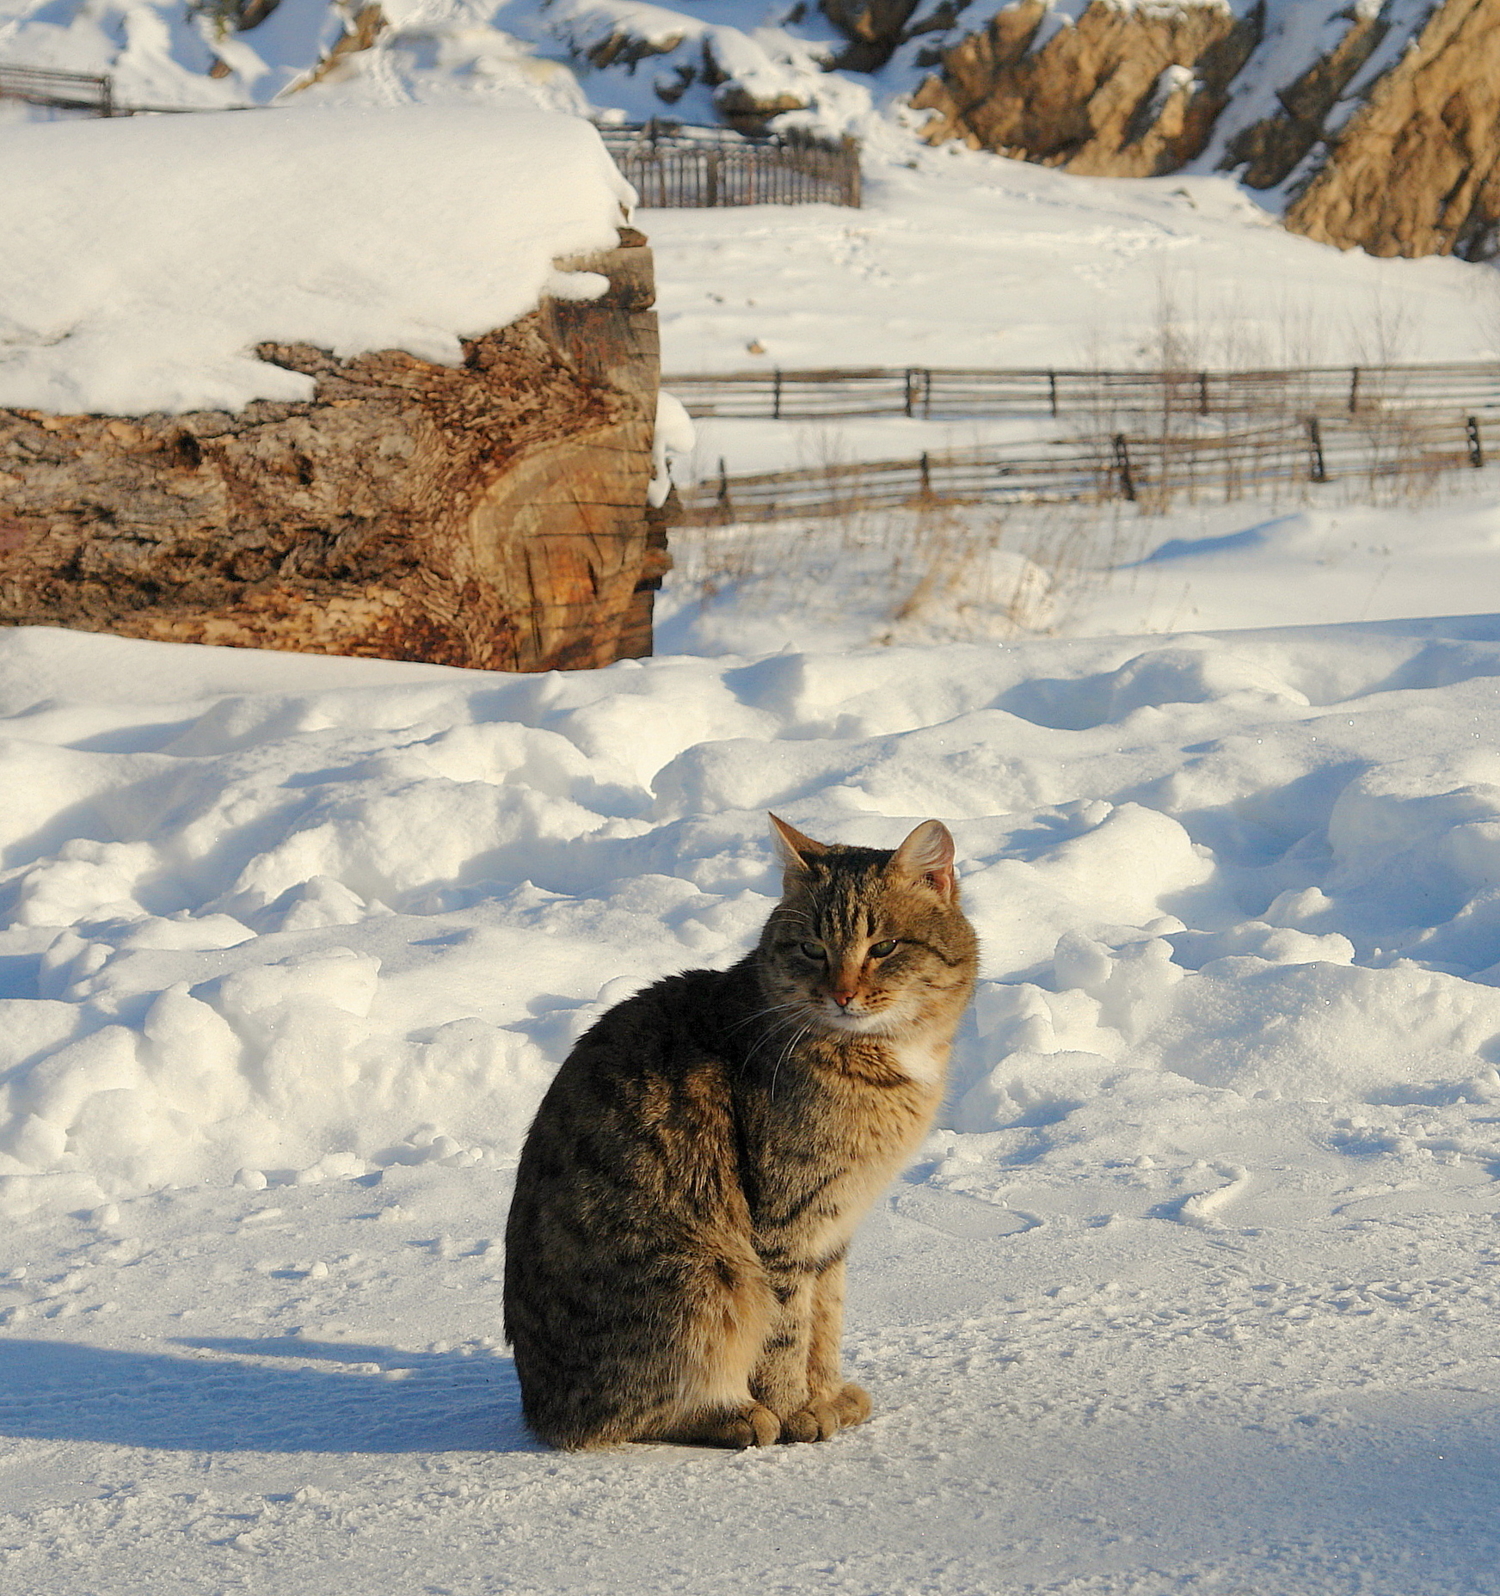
column 832, row 1404
column 780, row 1376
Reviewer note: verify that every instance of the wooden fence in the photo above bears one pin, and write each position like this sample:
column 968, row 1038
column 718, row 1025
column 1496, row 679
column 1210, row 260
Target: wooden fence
column 1150, row 468
column 953, row 394
column 681, row 167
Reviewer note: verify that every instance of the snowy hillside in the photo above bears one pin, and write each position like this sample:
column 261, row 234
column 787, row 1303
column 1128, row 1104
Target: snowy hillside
column 967, row 259
column 695, row 61
column 161, row 52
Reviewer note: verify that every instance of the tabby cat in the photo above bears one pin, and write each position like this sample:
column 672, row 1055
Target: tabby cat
column 674, row 1265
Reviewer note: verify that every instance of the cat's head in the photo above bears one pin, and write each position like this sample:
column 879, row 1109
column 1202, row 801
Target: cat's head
column 869, row 941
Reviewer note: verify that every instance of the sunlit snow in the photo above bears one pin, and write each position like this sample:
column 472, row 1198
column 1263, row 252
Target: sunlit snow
column 145, row 259
column 1191, row 1288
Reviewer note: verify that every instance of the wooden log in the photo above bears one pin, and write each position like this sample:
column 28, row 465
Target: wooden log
column 492, row 514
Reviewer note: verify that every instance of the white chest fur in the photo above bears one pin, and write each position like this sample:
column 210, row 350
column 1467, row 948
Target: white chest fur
column 920, row 1059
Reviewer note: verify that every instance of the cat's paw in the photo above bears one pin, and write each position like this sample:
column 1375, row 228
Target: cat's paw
column 824, row 1417
column 852, row 1405
column 816, row 1422
column 753, row 1425
column 737, row 1428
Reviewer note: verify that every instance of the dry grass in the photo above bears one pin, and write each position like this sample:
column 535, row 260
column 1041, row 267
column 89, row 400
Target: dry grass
column 928, row 572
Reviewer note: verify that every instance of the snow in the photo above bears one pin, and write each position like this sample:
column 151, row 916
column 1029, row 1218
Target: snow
column 965, row 574
column 1192, row 1287
column 961, row 259
column 661, row 60
column 674, row 436
column 294, row 944
column 145, row 259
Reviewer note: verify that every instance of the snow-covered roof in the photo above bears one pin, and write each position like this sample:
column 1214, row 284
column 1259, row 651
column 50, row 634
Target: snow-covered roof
column 145, row 258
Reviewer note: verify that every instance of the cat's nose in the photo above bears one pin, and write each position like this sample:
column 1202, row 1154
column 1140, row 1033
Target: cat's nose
column 843, row 999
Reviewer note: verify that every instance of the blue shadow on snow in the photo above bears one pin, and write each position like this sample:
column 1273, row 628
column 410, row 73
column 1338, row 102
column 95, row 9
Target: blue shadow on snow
column 262, row 1395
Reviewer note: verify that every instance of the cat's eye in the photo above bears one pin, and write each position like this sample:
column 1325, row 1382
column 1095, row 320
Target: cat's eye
column 815, row 951
column 882, row 950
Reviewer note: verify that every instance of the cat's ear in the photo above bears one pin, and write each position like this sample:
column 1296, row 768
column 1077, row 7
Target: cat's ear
column 927, row 857
column 794, row 848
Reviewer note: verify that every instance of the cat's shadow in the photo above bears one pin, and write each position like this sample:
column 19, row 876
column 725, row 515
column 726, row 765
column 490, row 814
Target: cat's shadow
column 262, row 1395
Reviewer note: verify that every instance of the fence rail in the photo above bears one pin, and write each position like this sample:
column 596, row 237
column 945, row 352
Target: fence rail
column 951, row 394
column 68, row 91
column 1150, row 468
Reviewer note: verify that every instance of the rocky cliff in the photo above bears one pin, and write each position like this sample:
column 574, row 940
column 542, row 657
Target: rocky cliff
column 1380, row 123
column 1121, row 92
column 1416, row 170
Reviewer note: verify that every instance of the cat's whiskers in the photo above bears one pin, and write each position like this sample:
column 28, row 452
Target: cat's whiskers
column 787, row 1015
column 786, row 1053
column 792, row 1009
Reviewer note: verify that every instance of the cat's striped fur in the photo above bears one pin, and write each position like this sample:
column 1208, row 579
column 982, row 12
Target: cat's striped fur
column 675, row 1251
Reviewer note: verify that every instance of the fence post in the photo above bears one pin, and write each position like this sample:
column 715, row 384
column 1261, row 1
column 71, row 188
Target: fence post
column 106, row 96
column 925, row 469
column 1354, row 391
column 927, row 394
column 1202, row 393
column 852, row 175
column 911, row 379
column 725, row 508
column 776, row 397
column 1476, row 447
column 1315, row 446
column 1122, row 465
column 711, row 179
column 1052, row 392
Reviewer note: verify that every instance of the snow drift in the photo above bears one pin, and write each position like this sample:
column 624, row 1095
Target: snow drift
column 303, row 919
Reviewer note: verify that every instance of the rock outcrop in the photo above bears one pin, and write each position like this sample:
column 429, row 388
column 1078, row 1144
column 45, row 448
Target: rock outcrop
column 492, row 514
column 1123, row 92
column 1416, row 170
column 363, row 25
column 874, row 28
column 1269, row 149
column 1382, row 123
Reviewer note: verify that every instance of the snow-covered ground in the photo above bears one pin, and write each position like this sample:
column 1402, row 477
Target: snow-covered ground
column 961, row 259
column 1190, row 1290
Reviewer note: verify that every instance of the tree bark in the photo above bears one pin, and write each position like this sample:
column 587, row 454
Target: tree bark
column 492, row 514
